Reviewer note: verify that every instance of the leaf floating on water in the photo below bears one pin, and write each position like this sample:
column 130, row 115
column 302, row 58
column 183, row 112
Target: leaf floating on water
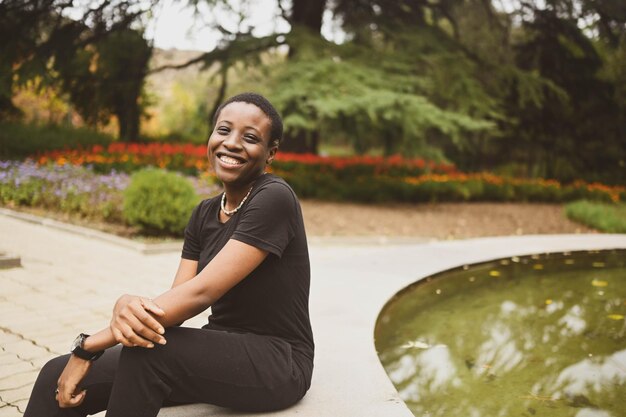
column 415, row 344
column 569, row 262
column 538, row 266
column 616, row 316
column 494, row 273
column 598, row 264
column 548, row 301
column 599, row 283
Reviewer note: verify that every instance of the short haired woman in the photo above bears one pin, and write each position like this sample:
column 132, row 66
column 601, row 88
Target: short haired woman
column 245, row 255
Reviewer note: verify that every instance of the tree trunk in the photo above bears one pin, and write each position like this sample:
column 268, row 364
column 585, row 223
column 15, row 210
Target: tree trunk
column 301, row 142
column 305, row 15
column 221, row 93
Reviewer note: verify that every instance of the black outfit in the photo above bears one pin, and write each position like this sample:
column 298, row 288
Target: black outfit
column 256, row 352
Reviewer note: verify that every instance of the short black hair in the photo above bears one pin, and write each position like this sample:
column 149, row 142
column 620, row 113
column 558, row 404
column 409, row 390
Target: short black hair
column 276, row 126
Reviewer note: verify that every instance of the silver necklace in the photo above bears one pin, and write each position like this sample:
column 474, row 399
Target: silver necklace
column 236, row 209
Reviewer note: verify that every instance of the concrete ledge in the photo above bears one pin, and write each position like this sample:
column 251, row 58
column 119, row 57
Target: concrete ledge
column 349, row 288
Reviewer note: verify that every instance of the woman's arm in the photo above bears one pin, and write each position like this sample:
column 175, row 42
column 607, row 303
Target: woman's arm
column 141, row 321
column 184, row 300
column 187, row 269
column 230, row 266
column 130, row 312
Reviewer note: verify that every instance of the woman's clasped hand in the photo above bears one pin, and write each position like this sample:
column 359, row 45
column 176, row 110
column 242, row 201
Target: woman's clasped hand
column 134, row 324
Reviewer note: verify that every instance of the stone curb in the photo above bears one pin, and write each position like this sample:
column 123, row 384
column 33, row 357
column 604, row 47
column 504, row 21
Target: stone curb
column 145, row 248
column 176, row 246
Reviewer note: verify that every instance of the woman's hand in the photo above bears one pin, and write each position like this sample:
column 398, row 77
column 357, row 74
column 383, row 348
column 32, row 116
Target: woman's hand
column 133, row 323
column 68, row 394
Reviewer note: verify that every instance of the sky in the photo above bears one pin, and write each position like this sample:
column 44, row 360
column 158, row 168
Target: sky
column 174, row 25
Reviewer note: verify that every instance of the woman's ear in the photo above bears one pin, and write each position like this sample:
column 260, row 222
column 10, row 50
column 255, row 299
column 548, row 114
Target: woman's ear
column 272, row 153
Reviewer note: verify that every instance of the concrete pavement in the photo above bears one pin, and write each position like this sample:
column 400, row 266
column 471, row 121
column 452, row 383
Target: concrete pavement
column 68, row 283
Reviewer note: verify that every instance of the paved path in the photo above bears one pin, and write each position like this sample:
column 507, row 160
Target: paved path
column 68, row 284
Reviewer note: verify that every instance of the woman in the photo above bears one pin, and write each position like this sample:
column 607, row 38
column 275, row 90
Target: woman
column 245, row 255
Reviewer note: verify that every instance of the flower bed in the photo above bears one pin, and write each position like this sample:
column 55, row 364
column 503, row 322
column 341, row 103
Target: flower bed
column 191, row 159
column 73, row 189
column 445, row 188
column 356, row 178
column 68, row 189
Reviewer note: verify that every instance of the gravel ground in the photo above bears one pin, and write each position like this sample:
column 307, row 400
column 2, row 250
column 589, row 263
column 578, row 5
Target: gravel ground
column 439, row 221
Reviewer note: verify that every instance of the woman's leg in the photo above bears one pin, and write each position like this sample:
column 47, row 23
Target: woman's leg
column 98, row 383
column 242, row 371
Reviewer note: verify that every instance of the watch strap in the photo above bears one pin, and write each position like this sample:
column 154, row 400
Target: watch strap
column 82, row 353
column 88, row 356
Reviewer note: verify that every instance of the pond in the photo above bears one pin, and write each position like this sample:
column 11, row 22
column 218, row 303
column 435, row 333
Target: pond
column 540, row 335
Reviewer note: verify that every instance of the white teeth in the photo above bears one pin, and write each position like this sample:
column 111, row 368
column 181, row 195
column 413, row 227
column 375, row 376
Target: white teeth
column 228, row 160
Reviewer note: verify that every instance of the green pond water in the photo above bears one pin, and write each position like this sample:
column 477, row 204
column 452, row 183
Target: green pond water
column 539, row 335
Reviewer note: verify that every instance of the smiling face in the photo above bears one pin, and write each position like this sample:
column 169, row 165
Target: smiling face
column 239, row 146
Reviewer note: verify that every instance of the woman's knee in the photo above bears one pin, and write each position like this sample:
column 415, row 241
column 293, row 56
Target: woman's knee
column 42, row 400
column 51, row 371
column 141, row 358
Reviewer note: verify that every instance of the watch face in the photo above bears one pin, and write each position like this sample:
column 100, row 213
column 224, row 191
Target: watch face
column 78, row 342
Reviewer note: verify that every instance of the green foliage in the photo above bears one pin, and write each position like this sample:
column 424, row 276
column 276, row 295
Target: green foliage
column 456, row 80
column 610, row 218
column 573, row 128
column 389, row 103
column 185, row 112
column 20, row 140
column 159, row 201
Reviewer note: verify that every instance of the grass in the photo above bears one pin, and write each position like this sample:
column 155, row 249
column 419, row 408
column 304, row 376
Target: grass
column 17, row 140
column 610, row 218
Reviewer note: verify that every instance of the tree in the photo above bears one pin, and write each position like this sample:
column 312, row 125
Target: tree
column 98, row 59
column 304, row 86
column 107, row 79
column 577, row 127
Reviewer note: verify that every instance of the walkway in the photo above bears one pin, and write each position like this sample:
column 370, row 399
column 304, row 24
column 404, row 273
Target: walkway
column 68, row 284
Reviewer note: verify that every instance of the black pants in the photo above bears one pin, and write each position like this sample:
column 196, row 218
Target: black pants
column 241, row 371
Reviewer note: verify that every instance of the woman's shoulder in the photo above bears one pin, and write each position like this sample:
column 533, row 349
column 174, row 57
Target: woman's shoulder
column 274, row 186
column 206, row 205
column 274, row 182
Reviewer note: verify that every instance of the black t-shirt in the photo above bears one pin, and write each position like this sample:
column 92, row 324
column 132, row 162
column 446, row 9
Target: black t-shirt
column 274, row 298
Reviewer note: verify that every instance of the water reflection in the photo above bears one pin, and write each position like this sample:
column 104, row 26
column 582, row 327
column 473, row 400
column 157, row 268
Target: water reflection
column 499, row 353
column 527, row 341
column 573, row 322
column 592, row 374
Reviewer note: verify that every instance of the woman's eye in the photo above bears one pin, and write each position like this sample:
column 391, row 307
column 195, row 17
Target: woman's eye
column 251, row 138
column 222, row 130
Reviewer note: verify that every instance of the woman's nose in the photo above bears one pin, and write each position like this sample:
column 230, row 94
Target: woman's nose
column 232, row 141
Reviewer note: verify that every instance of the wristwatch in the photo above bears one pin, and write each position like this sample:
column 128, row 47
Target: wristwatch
column 77, row 349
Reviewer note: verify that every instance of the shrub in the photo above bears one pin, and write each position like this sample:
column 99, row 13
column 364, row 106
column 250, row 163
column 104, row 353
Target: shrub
column 158, row 201
column 606, row 217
